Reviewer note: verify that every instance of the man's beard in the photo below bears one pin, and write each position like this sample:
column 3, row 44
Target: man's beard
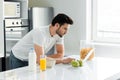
column 59, row 33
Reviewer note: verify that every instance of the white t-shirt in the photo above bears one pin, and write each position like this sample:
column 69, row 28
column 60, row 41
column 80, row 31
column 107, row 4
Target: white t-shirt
column 39, row 36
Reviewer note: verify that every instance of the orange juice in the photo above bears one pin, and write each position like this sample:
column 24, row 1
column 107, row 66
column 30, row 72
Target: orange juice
column 42, row 64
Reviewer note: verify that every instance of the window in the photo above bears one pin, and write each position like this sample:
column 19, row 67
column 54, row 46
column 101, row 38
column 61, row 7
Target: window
column 105, row 20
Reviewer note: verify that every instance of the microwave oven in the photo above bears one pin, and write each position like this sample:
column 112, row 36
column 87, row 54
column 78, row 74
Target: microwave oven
column 11, row 9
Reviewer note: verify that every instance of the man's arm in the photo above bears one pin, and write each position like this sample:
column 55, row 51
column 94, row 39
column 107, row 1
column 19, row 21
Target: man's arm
column 39, row 51
column 58, row 56
column 60, row 53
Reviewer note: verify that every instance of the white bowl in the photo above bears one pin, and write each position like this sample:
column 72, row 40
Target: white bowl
column 50, row 62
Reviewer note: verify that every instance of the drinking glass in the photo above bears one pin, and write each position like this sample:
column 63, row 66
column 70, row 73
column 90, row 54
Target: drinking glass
column 42, row 62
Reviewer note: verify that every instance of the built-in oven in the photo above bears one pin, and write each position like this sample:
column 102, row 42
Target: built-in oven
column 16, row 32
column 15, row 29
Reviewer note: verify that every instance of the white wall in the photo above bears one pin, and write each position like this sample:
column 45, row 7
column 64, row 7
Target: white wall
column 77, row 10
column 108, row 51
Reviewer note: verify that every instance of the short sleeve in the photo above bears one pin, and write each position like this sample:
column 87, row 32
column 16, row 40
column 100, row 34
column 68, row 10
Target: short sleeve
column 60, row 41
column 38, row 37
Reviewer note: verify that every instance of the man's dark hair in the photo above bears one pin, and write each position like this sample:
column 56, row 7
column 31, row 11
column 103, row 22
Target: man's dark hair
column 62, row 19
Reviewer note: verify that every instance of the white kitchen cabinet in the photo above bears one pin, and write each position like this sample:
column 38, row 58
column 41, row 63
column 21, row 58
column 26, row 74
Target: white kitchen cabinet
column 1, row 30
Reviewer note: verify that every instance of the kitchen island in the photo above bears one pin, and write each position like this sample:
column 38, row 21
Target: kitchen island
column 98, row 69
column 58, row 72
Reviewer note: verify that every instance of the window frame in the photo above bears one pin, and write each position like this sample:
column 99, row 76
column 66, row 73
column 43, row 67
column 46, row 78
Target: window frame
column 93, row 32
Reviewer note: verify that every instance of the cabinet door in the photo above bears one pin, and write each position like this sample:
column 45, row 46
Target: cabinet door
column 1, row 30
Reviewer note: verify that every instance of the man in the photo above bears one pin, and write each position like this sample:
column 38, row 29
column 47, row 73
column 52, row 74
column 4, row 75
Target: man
column 45, row 40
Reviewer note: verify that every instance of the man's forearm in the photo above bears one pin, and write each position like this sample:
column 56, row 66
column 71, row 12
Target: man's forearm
column 58, row 55
column 59, row 61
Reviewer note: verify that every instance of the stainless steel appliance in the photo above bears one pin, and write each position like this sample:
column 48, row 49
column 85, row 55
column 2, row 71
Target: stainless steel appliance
column 15, row 29
column 11, row 9
column 40, row 16
column 16, row 32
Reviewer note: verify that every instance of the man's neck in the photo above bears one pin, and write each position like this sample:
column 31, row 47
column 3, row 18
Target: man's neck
column 52, row 30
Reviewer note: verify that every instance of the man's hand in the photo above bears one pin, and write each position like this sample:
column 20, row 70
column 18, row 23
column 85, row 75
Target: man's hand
column 67, row 60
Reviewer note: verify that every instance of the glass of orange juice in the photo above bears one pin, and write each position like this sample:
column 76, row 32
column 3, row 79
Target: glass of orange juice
column 42, row 62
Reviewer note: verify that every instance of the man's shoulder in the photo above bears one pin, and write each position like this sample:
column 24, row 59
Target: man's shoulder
column 41, row 31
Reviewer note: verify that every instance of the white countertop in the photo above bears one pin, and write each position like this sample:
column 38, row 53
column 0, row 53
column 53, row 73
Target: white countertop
column 107, row 67
column 98, row 69
column 59, row 72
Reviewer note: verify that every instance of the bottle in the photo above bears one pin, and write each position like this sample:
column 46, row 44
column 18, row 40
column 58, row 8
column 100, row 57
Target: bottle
column 32, row 60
